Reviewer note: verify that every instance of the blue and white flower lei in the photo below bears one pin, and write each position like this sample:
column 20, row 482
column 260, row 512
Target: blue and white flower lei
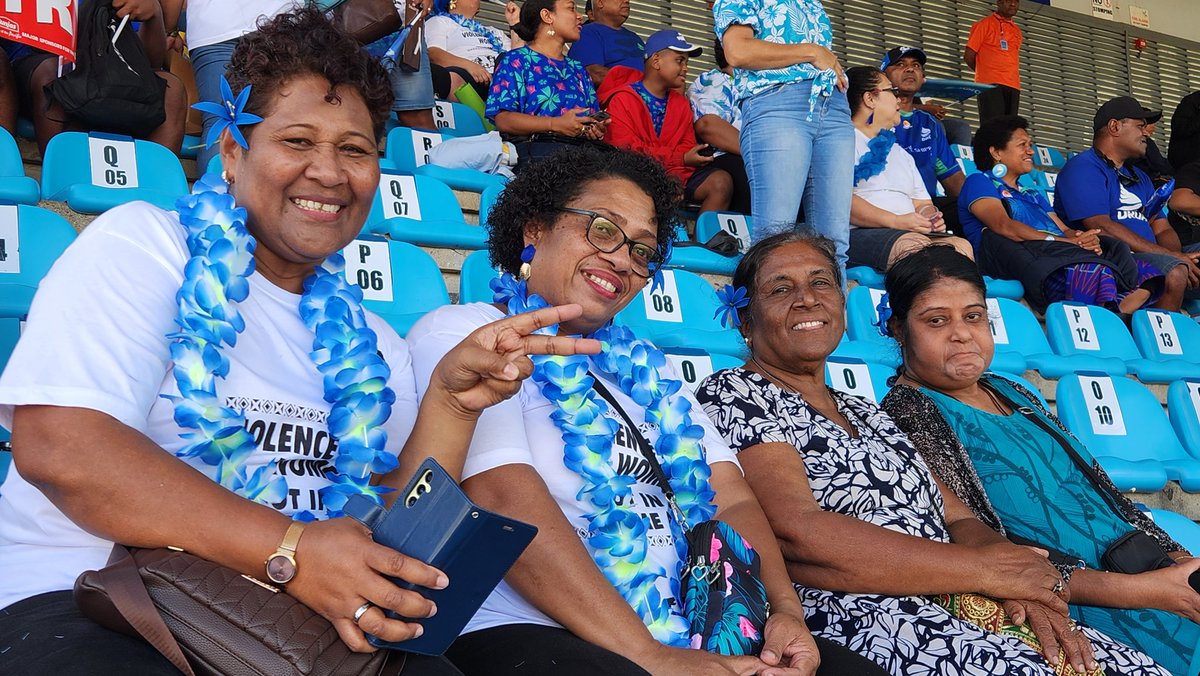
column 874, row 161
column 618, row 540
column 344, row 352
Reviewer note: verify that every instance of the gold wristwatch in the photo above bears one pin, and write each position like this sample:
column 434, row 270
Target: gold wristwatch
column 281, row 566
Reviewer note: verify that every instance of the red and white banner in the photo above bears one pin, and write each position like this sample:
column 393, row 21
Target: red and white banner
column 48, row 25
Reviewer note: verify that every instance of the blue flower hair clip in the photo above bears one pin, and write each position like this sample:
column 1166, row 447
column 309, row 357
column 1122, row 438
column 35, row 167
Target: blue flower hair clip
column 884, row 311
column 732, row 299
column 230, row 113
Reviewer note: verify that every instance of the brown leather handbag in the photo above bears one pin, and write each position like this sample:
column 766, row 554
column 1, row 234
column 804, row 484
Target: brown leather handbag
column 208, row 619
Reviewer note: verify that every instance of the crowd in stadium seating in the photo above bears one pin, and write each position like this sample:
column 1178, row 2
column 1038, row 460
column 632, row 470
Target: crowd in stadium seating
column 955, row 525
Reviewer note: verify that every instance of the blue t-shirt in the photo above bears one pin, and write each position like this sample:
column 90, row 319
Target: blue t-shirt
column 600, row 45
column 534, row 84
column 1024, row 204
column 656, row 106
column 923, row 137
column 1087, row 186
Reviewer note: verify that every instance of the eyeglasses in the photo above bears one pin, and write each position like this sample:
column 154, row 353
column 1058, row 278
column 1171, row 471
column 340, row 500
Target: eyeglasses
column 894, row 90
column 608, row 237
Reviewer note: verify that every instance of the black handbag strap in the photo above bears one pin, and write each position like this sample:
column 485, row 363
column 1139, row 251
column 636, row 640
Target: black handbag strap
column 643, row 444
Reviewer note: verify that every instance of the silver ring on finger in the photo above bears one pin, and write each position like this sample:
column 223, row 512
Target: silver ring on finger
column 1073, row 626
column 1057, row 588
column 362, row 610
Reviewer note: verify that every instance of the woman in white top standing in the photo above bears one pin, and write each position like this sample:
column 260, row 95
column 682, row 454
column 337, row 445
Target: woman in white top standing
column 891, row 213
column 465, row 48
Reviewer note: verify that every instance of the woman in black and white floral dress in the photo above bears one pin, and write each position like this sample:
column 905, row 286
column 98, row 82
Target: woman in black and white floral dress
column 883, row 558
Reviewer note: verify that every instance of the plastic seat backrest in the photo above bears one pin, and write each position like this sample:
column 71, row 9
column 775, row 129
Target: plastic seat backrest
column 856, row 376
column 686, row 300
column 1116, row 417
column 31, row 239
column 1074, row 328
column 1028, row 385
column 1015, row 328
column 420, row 198
column 487, row 200
column 1046, row 156
column 474, row 278
column 737, row 225
column 693, row 366
column 409, row 148
column 69, row 161
column 457, row 119
column 1183, row 405
column 11, row 163
column 400, row 282
column 862, row 319
column 963, row 152
column 1162, row 335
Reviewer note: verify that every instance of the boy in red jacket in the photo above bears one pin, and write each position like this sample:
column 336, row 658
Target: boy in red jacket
column 654, row 118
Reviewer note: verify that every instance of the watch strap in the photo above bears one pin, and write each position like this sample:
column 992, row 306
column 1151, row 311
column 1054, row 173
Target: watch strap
column 291, row 539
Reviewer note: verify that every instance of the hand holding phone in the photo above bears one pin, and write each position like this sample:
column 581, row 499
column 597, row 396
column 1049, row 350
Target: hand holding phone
column 707, row 151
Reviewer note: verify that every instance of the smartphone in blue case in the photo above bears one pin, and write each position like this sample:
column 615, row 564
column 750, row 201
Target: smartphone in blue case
column 432, row 520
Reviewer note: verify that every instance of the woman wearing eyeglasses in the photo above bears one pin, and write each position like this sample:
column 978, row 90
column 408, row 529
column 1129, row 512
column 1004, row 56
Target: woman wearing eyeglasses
column 598, row 590
column 891, row 213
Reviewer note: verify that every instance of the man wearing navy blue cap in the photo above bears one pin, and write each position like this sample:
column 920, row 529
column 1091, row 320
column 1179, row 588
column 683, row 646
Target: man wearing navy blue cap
column 919, row 132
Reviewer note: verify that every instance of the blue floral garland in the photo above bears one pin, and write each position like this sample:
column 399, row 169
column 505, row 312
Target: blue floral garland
column 874, row 161
column 344, row 352
column 618, row 541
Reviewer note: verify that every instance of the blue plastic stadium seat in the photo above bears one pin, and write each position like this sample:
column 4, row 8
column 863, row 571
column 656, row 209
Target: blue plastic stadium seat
column 15, row 186
column 474, row 278
column 1181, row 529
column 400, row 282
column 1168, row 337
column 700, row 259
column 1122, row 424
column 737, row 225
column 408, row 152
column 1183, row 405
column 31, row 239
column 865, row 276
column 423, row 211
column 1047, row 157
column 1028, row 385
column 457, row 119
column 869, row 351
column 95, row 172
column 681, row 314
column 1088, row 329
column 1003, row 288
column 191, row 147
column 487, row 200
column 693, row 366
column 1020, row 343
column 862, row 319
column 857, row 376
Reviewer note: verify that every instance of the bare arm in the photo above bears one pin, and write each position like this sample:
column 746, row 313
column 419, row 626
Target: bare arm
column 719, row 134
column 1186, row 201
column 597, row 72
column 1166, row 589
column 838, row 552
column 969, row 57
column 866, row 215
column 1114, row 229
column 570, row 124
column 953, row 183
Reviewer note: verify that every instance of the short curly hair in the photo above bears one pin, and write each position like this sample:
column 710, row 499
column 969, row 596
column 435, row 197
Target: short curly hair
column 303, row 42
column 539, row 191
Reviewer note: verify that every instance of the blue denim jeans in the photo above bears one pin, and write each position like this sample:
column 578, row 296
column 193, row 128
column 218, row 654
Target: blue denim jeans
column 413, row 91
column 209, row 63
column 789, row 158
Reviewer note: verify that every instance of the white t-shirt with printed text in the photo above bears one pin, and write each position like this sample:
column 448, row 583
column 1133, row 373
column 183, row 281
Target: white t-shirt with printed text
column 96, row 339
column 446, row 33
column 520, row 431
column 895, row 188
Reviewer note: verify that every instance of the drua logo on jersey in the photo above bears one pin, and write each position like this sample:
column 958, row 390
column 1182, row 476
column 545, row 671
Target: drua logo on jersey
column 1131, row 207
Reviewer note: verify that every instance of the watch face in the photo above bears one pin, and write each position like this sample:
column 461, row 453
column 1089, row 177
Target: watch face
column 281, row 569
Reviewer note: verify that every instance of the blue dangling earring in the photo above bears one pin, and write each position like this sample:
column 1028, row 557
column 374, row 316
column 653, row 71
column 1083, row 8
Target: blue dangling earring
column 999, row 171
column 526, row 259
column 871, row 118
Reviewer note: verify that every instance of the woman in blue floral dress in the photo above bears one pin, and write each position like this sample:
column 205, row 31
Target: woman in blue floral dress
column 536, row 89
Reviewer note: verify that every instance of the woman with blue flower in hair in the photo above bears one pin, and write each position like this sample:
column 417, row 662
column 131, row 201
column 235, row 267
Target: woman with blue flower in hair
column 464, row 48
column 891, row 213
column 598, row 590
column 887, row 562
column 206, row 378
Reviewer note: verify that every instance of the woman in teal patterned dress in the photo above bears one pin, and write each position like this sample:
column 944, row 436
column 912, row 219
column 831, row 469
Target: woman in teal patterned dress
column 994, row 445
